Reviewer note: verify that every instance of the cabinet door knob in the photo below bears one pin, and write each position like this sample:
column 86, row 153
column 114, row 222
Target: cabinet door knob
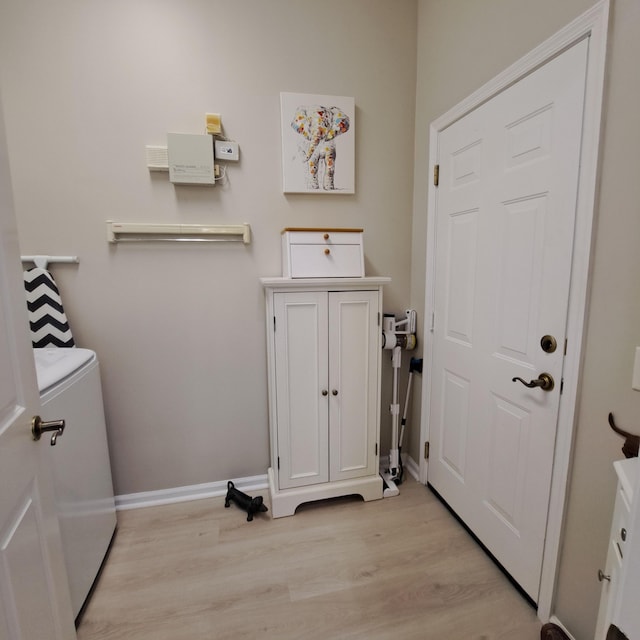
column 325, row 392
column 334, row 392
column 623, row 534
column 327, row 251
column 603, row 576
column 326, row 236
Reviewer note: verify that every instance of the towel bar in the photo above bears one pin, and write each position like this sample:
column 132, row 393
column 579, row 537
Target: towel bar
column 144, row 232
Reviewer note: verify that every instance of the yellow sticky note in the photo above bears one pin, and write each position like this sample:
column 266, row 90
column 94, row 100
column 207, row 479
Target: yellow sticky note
column 213, row 123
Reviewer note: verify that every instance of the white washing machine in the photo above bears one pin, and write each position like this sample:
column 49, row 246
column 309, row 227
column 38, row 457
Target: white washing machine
column 70, row 389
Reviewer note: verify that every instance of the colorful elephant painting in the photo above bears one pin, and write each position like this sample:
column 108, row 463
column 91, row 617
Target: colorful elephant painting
column 318, row 143
column 319, row 126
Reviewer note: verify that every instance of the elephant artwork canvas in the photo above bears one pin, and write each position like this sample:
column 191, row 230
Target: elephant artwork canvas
column 318, row 143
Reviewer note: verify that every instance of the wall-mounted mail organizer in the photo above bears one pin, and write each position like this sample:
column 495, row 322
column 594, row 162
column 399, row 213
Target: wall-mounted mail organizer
column 43, row 261
column 148, row 232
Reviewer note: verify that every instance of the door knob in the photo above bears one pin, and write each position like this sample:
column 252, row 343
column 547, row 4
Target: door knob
column 334, row 392
column 544, row 381
column 548, row 344
column 39, row 426
column 325, row 392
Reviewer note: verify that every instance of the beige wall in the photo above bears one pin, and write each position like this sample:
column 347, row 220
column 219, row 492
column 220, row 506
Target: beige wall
column 461, row 45
column 180, row 329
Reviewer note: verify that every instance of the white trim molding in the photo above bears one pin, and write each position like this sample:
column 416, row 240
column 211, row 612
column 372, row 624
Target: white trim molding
column 185, row 494
column 593, row 24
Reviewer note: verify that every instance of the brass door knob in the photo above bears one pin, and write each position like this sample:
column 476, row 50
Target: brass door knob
column 548, row 344
column 39, row 426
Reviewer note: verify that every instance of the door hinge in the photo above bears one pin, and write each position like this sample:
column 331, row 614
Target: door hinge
column 278, row 462
column 376, row 448
column 436, row 175
column 378, row 318
column 566, row 341
column 561, row 385
column 426, row 450
column 274, row 323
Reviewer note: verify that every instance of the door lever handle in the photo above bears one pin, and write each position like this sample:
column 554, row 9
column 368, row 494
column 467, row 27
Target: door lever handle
column 39, row 426
column 544, row 381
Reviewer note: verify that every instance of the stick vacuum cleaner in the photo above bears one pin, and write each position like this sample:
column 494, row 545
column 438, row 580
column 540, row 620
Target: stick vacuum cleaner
column 396, row 340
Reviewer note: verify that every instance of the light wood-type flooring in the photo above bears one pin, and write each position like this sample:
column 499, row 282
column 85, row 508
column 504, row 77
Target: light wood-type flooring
column 398, row 568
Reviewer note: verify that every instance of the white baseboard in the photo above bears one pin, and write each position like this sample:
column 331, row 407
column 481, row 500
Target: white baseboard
column 213, row 490
column 557, row 622
column 184, row 494
column 412, row 467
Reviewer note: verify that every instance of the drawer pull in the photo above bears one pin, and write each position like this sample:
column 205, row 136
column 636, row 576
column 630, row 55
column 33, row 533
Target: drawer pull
column 623, row 534
column 327, row 252
column 326, row 236
column 602, row 576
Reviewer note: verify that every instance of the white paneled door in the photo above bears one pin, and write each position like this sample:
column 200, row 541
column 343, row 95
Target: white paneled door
column 34, row 594
column 505, row 215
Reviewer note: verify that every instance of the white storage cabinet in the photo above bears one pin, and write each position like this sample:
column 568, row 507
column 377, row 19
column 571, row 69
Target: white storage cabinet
column 324, row 354
column 626, row 471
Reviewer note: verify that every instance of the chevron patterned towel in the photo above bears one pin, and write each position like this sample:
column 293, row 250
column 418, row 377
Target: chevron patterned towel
column 49, row 324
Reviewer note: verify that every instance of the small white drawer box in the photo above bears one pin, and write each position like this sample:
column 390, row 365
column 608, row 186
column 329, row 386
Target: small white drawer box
column 322, row 253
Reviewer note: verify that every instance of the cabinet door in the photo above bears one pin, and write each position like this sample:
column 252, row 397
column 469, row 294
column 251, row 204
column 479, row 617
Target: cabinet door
column 301, row 363
column 609, row 588
column 354, row 344
column 613, row 565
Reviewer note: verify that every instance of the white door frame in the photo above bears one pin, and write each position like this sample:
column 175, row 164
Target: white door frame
column 592, row 24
